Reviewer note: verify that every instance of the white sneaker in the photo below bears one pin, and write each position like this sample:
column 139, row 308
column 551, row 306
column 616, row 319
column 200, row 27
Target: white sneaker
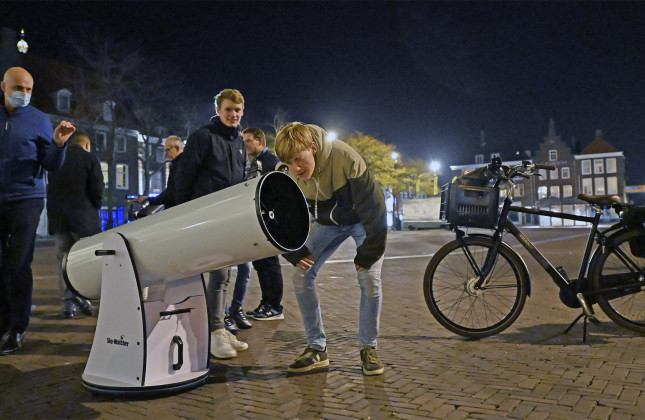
column 221, row 345
column 235, row 343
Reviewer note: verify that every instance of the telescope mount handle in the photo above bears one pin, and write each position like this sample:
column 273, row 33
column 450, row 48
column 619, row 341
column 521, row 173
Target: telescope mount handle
column 180, row 352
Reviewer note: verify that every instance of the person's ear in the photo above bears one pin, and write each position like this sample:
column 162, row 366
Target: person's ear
column 314, row 148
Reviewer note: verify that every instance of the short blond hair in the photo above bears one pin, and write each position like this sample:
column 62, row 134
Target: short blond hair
column 291, row 140
column 232, row 95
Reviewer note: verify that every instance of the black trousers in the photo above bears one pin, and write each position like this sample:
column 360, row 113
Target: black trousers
column 270, row 277
column 18, row 225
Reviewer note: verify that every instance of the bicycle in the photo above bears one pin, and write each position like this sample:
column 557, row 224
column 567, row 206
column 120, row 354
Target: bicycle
column 476, row 285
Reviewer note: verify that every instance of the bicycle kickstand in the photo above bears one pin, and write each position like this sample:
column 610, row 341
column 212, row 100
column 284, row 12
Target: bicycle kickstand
column 587, row 314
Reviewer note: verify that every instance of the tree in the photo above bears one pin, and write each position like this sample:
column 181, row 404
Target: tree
column 378, row 157
column 99, row 86
column 415, row 177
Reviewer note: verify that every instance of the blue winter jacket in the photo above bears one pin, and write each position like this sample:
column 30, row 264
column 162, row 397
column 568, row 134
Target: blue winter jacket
column 27, row 149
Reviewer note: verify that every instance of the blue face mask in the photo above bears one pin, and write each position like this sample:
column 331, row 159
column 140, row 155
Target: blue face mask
column 19, row 99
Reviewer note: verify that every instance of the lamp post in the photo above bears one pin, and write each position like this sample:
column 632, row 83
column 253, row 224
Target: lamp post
column 331, row 135
column 434, row 167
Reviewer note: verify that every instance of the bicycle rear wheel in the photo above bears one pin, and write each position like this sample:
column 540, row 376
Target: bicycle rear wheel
column 448, row 286
column 619, row 280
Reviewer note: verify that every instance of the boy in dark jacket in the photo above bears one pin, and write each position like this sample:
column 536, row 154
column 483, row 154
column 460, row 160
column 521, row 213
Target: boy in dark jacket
column 215, row 158
column 345, row 200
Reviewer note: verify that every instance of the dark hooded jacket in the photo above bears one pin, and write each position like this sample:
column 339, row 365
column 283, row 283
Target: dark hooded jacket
column 214, row 158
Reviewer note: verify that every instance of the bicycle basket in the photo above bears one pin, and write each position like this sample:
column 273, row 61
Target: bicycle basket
column 471, row 206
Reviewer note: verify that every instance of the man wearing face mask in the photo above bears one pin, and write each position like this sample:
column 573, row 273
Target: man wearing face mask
column 28, row 147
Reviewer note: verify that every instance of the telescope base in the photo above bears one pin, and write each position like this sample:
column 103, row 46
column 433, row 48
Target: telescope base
column 149, row 339
column 99, row 385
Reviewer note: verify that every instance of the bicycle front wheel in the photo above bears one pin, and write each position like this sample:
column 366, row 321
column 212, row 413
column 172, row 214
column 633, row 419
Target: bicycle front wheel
column 619, row 280
column 449, row 281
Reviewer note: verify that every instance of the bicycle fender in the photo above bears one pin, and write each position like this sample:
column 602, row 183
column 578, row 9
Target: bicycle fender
column 522, row 267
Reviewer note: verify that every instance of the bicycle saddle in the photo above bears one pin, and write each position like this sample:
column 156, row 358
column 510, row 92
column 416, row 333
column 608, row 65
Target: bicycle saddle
column 603, row 201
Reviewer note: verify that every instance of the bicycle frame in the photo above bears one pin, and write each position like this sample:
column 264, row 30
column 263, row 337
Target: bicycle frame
column 560, row 280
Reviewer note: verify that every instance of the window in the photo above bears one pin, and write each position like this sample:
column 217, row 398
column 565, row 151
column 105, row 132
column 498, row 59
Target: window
column 599, row 186
column 479, row 158
column 519, row 191
column 567, row 191
column 155, row 182
column 586, row 167
column 612, row 185
column 541, row 192
column 555, row 191
column 554, row 174
column 120, row 144
column 101, row 140
column 611, row 165
column 587, row 187
column 122, row 176
column 63, row 99
column 565, row 172
column 160, row 155
column 104, row 169
column 598, row 166
column 553, row 155
column 542, row 176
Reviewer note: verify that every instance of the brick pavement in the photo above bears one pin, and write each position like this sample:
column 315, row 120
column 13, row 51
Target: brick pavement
column 531, row 371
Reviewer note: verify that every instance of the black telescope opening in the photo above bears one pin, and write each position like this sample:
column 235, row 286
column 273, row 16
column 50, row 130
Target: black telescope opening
column 282, row 210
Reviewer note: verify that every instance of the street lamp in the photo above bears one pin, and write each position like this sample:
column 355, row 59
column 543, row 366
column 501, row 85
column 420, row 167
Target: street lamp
column 331, row 135
column 395, row 156
column 434, row 167
column 22, row 44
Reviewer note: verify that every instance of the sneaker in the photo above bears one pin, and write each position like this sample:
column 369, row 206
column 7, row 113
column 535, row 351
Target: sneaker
column 70, row 310
column 240, row 320
column 85, row 306
column 235, row 343
column 370, row 361
column 308, row 360
column 256, row 311
column 229, row 324
column 268, row 314
column 221, row 344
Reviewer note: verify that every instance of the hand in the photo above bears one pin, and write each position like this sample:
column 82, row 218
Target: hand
column 360, row 268
column 306, row 263
column 142, row 199
column 63, row 132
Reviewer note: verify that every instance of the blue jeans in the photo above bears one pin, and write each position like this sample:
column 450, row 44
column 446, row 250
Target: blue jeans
column 322, row 242
column 241, row 284
column 216, row 297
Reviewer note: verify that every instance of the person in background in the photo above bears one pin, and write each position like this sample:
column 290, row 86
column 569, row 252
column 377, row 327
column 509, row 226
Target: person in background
column 268, row 269
column 345, row 201
column 74, row 198
column 214, row 158
column 29, row 147
column 173, row 148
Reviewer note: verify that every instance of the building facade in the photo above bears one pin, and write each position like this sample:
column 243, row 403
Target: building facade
column 598, row 170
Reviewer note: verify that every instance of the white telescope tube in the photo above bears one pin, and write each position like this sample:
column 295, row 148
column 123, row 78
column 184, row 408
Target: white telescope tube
column 256, row 219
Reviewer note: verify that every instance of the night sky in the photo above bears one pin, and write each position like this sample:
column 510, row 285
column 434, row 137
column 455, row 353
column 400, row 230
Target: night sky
column 424, row 76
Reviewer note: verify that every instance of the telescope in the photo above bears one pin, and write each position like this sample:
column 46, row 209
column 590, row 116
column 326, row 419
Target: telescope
column 152, row 333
